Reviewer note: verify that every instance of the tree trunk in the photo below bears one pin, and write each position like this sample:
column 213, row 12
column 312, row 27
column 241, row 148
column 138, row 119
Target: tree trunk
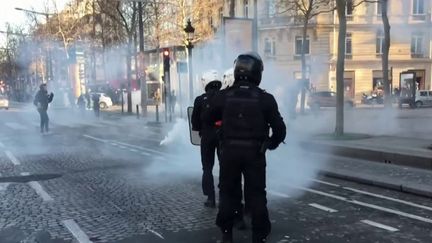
column 303, row 85
column 340, row 5
column 129, row 73
column 232, row 8
column 385, row 56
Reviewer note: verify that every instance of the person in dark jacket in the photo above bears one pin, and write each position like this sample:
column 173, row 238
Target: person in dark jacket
column 41, row 101
column 246, row 114
column 207, row 132
column 96, row 105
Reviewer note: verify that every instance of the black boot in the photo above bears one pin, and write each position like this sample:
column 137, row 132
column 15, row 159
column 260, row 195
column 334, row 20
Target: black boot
column 227, row 236
column 210, row 203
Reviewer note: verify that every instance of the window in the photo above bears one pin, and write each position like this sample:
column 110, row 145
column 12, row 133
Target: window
column 423, row 93
column 417, row 45
column 379, row 43
column 349, row 8
column 430, row 93
column 246, row 8
column 269, row 47
column 271, row 8
column 348, row 44
column 418, row 7
column 299, row 45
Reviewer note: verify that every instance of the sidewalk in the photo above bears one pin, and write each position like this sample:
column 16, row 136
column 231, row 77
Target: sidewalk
column 397, row 163
column 384, row 149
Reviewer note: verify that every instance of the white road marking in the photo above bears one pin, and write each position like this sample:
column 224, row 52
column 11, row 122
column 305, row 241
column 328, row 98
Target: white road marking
column 278, row 194
column 39, row 189
column 378, row 225
column 141, row 148
column 94, row 138
column 368, row 205
column 326, row 183
column 145, row 153
column 378, row 196
column 2, row 145
column 12, row 158
column 389, row 198
column 76, row 231
column 15, row 126
column 156, row 233
column 324, row 208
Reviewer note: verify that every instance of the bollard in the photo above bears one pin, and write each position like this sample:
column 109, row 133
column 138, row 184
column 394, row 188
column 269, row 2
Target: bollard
column 157, row 113
column 137, row 111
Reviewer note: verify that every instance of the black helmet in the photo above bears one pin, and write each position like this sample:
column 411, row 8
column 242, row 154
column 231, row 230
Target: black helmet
column 249, row 67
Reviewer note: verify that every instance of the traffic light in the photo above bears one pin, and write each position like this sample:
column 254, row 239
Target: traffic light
column 166, row 60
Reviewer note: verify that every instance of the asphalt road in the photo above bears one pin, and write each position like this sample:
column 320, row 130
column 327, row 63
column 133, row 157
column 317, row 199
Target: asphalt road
column 111, row 181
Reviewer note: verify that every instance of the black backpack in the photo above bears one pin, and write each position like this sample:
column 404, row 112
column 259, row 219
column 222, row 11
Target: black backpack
column 243, row 118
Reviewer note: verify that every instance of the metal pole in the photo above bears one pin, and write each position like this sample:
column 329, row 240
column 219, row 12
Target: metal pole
column 191, row 95
column 143, row 77
column 179, row 95
column 255, row 28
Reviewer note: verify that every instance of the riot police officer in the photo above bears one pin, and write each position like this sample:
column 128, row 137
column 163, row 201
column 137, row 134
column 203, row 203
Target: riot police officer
column 246, row 113
column 207, row 132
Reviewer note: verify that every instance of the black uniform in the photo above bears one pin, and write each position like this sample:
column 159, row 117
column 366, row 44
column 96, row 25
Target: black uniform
column 96, row 105
column 247, row 114
column 41, row 101
column 209, row 142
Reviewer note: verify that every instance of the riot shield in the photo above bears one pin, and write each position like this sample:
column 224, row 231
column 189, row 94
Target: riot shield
column 194, row 135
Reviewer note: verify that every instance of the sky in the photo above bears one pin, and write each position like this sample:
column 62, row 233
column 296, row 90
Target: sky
column 15, row 17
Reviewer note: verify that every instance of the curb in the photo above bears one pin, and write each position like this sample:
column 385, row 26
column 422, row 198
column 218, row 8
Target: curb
column 395, row 158
column 379, row 182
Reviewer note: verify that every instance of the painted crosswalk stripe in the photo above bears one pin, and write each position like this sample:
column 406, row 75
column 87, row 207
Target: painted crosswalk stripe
column 324, row 208
column 76, row 231
column 15, row 126
column 378, row 225
column 39, row 189
column 12, row 158
column 1, row 145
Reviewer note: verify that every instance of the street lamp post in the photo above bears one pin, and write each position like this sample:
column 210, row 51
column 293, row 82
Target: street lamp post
column 190, row 31
column 48, row 61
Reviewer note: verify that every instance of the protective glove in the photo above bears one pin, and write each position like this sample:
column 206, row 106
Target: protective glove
column 272, row 145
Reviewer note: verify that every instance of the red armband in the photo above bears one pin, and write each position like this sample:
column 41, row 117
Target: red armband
column 218, row 124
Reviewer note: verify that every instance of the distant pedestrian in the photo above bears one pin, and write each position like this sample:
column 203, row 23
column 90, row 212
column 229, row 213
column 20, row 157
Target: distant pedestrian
column 41, row 101
column 96, row 106
column 81, row 103
column 173, row 102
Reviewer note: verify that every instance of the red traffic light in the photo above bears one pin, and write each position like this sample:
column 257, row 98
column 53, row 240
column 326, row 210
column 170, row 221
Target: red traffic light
column 166, row 53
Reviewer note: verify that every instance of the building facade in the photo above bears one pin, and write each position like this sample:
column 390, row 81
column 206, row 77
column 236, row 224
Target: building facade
column 280, row 41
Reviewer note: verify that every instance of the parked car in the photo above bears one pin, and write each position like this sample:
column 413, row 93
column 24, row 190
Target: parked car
column 326, row 99
column 4, row 102
column 104, row 100
column 423, row 98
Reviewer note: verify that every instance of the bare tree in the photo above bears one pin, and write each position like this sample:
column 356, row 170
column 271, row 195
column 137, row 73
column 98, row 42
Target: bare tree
column 386, row 49
column 305, row 11
column 340, row 68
